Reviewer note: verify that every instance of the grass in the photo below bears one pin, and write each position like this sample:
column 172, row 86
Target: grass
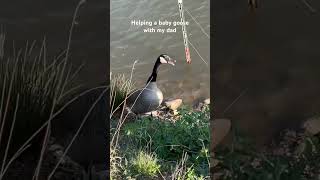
column 35, row 84
column 153, row 148
column 167, row 142
column 144, row 164
column 120, row 87
column 295, row 157
column 31, row 87
column 188, row 134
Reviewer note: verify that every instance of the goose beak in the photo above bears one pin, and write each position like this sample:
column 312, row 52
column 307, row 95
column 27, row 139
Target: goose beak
column 172, row 62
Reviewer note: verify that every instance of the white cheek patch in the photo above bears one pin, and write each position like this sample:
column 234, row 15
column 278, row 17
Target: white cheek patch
column 162, row 60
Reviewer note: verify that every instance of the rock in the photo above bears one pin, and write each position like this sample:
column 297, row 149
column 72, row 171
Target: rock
column 215, row 162
column 130, row 117
column 206, row 101
column 152, row 113
column 102, row 174
column 198, row 107
column 173, row 104
column 312, row 126
column 175, row 112
column 221, row 128
column 200, row 104
column 300, row 149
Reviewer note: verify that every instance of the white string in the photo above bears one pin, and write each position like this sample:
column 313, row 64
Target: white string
column 198, row 53
column 204, row 32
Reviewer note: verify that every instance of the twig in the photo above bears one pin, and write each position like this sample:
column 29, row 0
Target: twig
column 2, row 41
column 58, row 92
column 241, row 94
column 309, row 6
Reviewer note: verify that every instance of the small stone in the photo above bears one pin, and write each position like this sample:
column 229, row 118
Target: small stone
column 256, row 163
column 173, row 104
column 152, row 113
column 155, row 113
column 312, row 126
column 55, row 147
column 221, row 128
column 300, row 149
column 207, row 101
column 175, row 112
column 130, row 117
column 215, row 162
column 198, row 106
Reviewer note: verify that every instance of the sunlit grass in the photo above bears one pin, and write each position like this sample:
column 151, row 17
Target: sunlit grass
column 120, row 87
column 144, row 164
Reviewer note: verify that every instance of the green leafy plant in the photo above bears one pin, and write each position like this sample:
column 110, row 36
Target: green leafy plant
column 170, row 140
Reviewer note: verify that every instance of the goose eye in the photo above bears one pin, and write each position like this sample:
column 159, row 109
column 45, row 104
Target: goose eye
column 163, row 60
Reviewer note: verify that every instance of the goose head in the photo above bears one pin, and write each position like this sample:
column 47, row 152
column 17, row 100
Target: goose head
column 162, row 59
column 165, row 59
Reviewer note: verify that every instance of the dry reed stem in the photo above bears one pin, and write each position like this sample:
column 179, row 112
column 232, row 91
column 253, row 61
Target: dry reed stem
column 77, row 133
column 8, row 99
column 58, row 93
column 180, row 168
column 26, row 143
column 10, row 135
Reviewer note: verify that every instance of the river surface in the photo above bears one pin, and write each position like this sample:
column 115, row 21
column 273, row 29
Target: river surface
column 23, row 20
column 130, row 43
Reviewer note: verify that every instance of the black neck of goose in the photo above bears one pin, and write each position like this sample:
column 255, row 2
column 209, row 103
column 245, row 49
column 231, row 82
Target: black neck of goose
column 153, row 76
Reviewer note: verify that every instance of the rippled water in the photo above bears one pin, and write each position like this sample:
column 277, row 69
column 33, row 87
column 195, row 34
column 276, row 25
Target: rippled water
column 24, row 21
column 129, row 43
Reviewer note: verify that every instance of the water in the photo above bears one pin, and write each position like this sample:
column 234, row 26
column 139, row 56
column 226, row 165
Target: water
column 130, row 43
column 25, row 21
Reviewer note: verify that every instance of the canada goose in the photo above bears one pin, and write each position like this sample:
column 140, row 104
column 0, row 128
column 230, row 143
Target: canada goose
column 150, row 97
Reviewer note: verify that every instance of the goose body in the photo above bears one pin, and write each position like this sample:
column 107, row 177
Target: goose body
column 150, row 97
column 146, row 100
